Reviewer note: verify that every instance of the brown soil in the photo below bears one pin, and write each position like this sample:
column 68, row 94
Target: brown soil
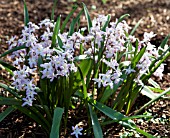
column 156, row 18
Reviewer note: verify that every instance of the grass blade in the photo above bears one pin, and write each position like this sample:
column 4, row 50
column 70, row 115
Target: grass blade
column 56, row 122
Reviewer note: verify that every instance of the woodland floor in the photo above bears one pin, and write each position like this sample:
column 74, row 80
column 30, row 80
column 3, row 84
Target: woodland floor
column 156, row 18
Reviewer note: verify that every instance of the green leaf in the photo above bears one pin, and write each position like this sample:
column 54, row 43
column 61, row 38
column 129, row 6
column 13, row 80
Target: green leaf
column 154, row 83
column 153, row 100
column 60, row 43
column 56, row 122
column 136, row 48
column 164, row 42
column 12, row 50
column 108, row 92
column 9, row 101
column 83, row 82
column 6, row 65
column 26, row 16
column 67, row 19
column 84, row 66
column 53, row 9
column 104, row 1
column 95, row 123
column 6, row 113
column 147, row 92
column 55, row 32
column 106, row 23
column 121, row 18
column 137, row 116
column 89, row 23
column 9, row 89
column 73, row 23
column 35, row 115
column 118, row 117
column 138, row 57
column 158, row 90
column 161, row 57
column 136, row 26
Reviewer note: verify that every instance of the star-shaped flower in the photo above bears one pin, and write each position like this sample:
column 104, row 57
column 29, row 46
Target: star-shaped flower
column 76, row 131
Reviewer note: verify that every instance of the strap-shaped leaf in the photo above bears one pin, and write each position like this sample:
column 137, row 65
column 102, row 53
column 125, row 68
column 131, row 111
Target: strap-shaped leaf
column 9, row 89
column 83, row 82
column 164, row 42
column 73, row 23
column 56, row 122
column 12, row 50
column 53, row 9
column 136, row 26
column 95, row 123
column 6, row 113
column 89, row 23
column 26, row 15
column 153, row 100
column 121, row 18
column 146, row 91
column 106, row 23
column 67, row 19
column 154, row 83
column 108, row 92
column 118, row 117
column 35, row 115
column 6, row 68
column 60, row 43
column 138, row 57
column 55, row 32
column 9, row 101
column 7, row 65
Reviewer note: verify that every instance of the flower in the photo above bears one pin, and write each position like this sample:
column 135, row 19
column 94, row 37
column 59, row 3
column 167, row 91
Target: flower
column 129, row 70
column 148, row 36
column 28, row 101
column 76, row 131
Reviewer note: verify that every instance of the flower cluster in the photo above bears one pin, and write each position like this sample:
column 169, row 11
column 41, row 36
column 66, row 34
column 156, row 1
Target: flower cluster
column 59, row 61
column 55, row 62
column 22, row 82
column 115, row 40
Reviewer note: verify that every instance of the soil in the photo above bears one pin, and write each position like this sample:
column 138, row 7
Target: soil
column 156, row 18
